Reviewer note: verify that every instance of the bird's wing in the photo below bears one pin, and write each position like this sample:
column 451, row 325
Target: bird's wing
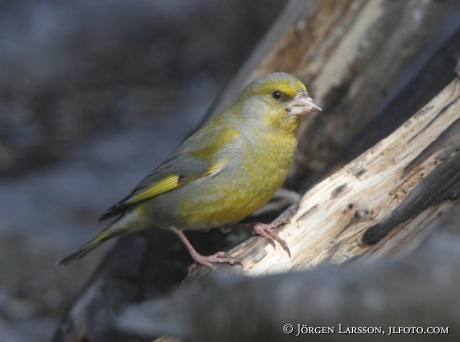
column 199, row 156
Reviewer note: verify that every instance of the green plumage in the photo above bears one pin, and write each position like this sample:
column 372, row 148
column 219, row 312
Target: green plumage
column 228, row 169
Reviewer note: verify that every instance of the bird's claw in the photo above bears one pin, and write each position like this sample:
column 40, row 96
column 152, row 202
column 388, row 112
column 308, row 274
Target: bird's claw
column 219, row 257
column 266, row 231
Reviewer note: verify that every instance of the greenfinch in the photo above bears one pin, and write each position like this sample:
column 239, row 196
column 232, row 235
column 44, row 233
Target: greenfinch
column 224, row 172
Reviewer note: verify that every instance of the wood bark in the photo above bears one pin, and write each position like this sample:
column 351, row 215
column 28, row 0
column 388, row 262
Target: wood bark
column 417, row 293
column 381, row 205
column 350, row 54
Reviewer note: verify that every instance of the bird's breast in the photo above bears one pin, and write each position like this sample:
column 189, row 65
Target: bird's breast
column 245, row 184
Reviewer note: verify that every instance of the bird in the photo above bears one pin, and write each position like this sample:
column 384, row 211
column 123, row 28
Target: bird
column 228, row 169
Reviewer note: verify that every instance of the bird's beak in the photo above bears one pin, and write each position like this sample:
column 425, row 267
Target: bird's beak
column 302, row 104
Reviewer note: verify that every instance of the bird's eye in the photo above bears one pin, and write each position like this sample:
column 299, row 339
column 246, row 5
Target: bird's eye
column 276, row 95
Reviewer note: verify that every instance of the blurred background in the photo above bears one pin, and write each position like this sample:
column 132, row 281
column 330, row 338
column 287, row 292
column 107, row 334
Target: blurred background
column 93, row 95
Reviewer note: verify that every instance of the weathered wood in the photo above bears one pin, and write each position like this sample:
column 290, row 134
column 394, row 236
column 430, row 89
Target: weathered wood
column 350, row 54
column 379, row 205
column 389, row 195
column 423, row 80
column 419, row 291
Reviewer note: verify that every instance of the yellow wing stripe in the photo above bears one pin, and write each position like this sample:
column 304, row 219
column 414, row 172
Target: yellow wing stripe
column 167, row 183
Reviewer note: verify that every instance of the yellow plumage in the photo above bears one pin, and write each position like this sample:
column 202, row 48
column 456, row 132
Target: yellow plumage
column 167, row 183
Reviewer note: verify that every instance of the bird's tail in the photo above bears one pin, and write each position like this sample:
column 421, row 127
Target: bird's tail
column 125, row 224
column 85, row 249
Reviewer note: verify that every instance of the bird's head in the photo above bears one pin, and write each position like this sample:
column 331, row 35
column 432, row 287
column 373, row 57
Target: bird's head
column 276, row 100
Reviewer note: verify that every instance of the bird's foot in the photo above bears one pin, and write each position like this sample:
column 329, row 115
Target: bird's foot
column 205, row 260
column 266, row 231
column 219, row 257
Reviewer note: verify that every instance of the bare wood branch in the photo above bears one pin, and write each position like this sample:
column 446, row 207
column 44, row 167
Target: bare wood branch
column 350, row 54
column 392, row 192
column 380, row 204
column 420, row 291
